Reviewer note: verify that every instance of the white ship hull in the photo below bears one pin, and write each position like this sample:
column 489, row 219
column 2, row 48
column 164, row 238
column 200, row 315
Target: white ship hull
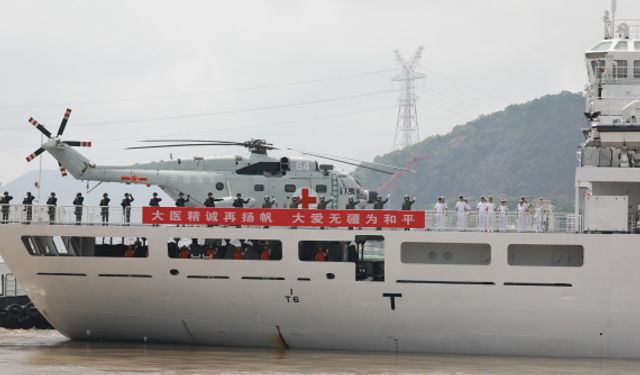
column 587, row 311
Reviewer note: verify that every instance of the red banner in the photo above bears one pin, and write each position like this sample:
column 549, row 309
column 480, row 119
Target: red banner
column 283, row 217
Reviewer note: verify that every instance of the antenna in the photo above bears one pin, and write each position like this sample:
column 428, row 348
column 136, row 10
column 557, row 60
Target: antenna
column 407, row 132
column 613, row 18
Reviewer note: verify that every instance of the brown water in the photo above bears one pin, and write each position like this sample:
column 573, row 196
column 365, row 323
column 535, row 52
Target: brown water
column 47, row 352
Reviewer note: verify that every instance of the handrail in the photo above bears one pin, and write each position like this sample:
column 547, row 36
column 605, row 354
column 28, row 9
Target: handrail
column 92, row 215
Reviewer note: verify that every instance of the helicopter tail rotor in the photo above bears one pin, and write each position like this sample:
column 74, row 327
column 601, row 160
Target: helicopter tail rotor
column 47, row 133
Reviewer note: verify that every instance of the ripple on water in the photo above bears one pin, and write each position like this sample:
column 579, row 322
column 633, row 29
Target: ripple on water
column 48, row 352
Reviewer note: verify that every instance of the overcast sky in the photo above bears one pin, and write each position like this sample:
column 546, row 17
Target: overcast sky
column 313, row 75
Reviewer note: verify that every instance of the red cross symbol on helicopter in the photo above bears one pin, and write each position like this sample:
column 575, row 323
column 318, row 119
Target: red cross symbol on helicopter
column 305, row 199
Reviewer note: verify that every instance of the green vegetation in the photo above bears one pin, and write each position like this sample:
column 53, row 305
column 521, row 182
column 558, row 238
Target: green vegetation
column 527, row 149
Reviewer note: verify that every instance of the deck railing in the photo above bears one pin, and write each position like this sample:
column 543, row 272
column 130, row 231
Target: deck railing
column 511, row 222
column 92, row 215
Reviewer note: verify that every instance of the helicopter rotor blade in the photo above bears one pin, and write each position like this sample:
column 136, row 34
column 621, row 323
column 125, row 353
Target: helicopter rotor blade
column 35, row 154
column 78, row 143
column 167, row 146
column 63, row 124
column 356, row 164
column 192, row 141
column 362, row 162
column 40, row 127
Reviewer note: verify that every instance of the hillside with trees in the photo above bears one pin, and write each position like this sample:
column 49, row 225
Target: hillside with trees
column 527, row 149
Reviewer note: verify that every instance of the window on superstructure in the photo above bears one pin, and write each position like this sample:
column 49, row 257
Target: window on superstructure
column 366, row 251
column 290, row 188
column 620, row 68
column 545, row 255
column 636, row 45
column 636, row 69
column 602, row 46
column 258, row 187
column 622, row 45
column 598, row 67
column 219, row 248
column 321, row 189
column 87, row 246
column 445, row 253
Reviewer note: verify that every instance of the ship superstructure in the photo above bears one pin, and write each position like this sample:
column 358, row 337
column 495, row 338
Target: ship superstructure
column 608, row 178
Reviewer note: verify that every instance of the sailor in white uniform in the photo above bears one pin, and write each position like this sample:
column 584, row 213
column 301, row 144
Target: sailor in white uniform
column 538, row 216
column 522, row 209
column 467, row 212
column 482, row 214
column 461, row 211
column 441, row 212
column 502, row 214
column 491, row 215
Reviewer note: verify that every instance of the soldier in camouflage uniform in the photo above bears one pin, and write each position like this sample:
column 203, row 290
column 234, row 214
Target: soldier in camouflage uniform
column 379, row 203
column 322, row 204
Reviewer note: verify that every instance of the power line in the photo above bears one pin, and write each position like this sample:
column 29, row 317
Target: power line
column 271, row 124
column 460, row 83
column 225, row 112
column 458, row 105
column 194, row 94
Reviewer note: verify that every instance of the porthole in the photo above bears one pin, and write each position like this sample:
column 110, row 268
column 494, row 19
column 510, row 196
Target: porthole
column 447, row 255
column 219, row 186
column 433, row 255
column 331, row 276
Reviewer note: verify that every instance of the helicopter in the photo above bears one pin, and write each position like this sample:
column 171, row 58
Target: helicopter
column 255, row 176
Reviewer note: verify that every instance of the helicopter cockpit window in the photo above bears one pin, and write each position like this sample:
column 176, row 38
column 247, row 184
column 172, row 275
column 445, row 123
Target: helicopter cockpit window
column 258, row 187
column 219, row 186
column 321, row 189
column 290, row 188
column 262, row 168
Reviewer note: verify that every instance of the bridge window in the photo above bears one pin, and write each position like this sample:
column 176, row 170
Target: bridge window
column 598, row 67
column 321, row 189
column 620, row 69
column 636, row 69
column 86, row 246
column 258, row 187
column 218, row 248
column 622, row 45
column 545, row 255
column 602, row 46
column 290, row 188
column 445, row 253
